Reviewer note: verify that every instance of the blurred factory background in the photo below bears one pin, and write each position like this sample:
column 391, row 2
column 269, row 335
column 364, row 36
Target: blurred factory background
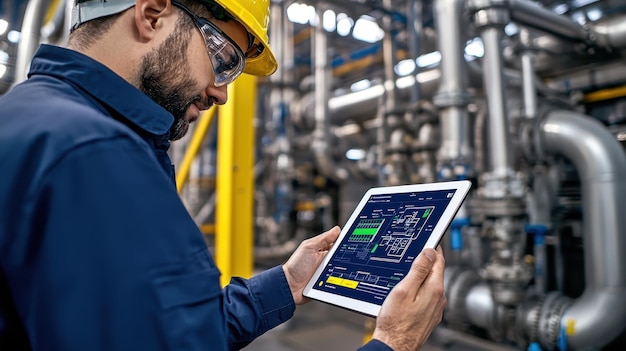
column 525, row 98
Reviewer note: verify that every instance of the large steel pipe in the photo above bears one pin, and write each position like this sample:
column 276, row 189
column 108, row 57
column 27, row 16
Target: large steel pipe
column 599, row 315
column 30, row 36
column 530, row 14
column 452, row 97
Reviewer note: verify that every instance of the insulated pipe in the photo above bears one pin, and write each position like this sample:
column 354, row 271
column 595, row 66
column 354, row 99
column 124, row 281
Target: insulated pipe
column 530, row 14
column 362, row 105
column 593, row 77
column 611, row 32
column 599, row 315
column 452, row 97
column 30, row 36
column 321, row 136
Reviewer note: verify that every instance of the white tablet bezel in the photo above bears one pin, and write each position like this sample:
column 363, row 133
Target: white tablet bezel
column 461, row 188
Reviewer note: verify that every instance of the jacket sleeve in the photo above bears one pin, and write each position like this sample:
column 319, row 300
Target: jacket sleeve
column 257, row 305
column 106, row 257
column 375, row 345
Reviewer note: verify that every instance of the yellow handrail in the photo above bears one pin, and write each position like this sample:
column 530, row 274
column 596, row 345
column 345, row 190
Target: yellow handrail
column 52, row 9
column 194, row 145
column 605, row 94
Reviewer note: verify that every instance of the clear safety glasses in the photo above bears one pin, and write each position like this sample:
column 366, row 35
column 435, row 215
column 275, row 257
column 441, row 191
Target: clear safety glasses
column 227, row 59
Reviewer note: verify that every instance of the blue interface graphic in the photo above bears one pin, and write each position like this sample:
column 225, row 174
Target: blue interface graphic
column 388, row 234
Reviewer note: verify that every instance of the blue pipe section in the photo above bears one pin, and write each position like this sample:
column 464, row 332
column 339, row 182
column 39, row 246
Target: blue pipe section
column 539, row 233
column 562, row 339
column 341, row 60
column 282, row 111
column 456, row 234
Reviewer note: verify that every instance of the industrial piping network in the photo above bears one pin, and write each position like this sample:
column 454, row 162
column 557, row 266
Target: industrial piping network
column 500, row 293
column 496, row 296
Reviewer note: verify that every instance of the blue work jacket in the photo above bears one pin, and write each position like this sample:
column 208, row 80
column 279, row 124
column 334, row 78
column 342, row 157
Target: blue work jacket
column 97, row 251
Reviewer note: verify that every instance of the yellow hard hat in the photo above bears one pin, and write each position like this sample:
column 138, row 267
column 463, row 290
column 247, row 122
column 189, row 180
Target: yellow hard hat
column 255, row 16
column 252, row 14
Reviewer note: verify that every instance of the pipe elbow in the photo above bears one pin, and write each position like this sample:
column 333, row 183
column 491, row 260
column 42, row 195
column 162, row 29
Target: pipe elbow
column 599, row 315
column 594, row 319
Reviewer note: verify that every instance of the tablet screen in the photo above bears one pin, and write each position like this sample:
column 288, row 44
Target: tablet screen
column 382, row 242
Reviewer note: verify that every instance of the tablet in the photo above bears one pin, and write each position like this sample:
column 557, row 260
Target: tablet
column 385, row 233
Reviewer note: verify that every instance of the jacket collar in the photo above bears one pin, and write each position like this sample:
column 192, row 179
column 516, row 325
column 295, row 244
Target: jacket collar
column 104, row 85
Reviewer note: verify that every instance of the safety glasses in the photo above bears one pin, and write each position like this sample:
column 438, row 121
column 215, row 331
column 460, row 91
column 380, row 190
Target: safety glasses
column 226, row 57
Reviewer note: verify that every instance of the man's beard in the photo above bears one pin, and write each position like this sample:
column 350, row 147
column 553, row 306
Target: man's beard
column 164, row 77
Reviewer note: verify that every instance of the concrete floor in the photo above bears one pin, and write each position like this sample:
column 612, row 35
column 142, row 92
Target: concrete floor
column 320, row 327
column 317, row 326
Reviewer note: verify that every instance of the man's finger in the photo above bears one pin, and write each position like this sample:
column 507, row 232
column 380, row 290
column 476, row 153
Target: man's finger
column 419, row 271
column 327, row 239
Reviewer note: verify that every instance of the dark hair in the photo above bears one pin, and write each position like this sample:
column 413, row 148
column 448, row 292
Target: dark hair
column 218, row 11
column 89, row 32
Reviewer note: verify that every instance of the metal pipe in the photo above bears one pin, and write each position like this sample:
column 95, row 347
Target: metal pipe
column 362, row 105
column 452, row 97
column 530, row 14
column 57, row 24
column 30, row 36
column 480, row 306
column 389, row 60
column 450, row 43
column 598, row 76
column 280, row 97
column 388, row 121
column 610, row 32
column 321, row 135
column 599, row 315
column 499, row 142
column 414, row 28
column 528, row 75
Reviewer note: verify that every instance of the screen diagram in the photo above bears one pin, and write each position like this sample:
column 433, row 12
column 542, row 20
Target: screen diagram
column 381, row 244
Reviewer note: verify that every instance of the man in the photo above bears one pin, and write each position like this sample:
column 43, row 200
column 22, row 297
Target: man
column 97, row 252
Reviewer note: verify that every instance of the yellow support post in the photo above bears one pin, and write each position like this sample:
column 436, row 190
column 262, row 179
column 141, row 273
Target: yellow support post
column 235, row 181
column 192, row 150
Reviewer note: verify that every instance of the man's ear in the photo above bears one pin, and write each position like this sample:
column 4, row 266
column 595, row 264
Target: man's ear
column 149, row 16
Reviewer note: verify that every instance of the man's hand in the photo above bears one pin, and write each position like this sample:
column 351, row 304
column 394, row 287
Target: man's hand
column 304, row 261
column 415, row 305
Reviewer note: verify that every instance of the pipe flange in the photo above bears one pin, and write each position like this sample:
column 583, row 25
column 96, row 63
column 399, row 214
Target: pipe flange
column 550, row 316
column 527, row 140
column 527, row 319
column 476, row 5
column 537, row 142
column 499, row 186
column 492, row 17
column 481, row 208
column 513, row 274
column 451, row 99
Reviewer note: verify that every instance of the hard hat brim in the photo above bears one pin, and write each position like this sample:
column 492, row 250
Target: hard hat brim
column 262, row 65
